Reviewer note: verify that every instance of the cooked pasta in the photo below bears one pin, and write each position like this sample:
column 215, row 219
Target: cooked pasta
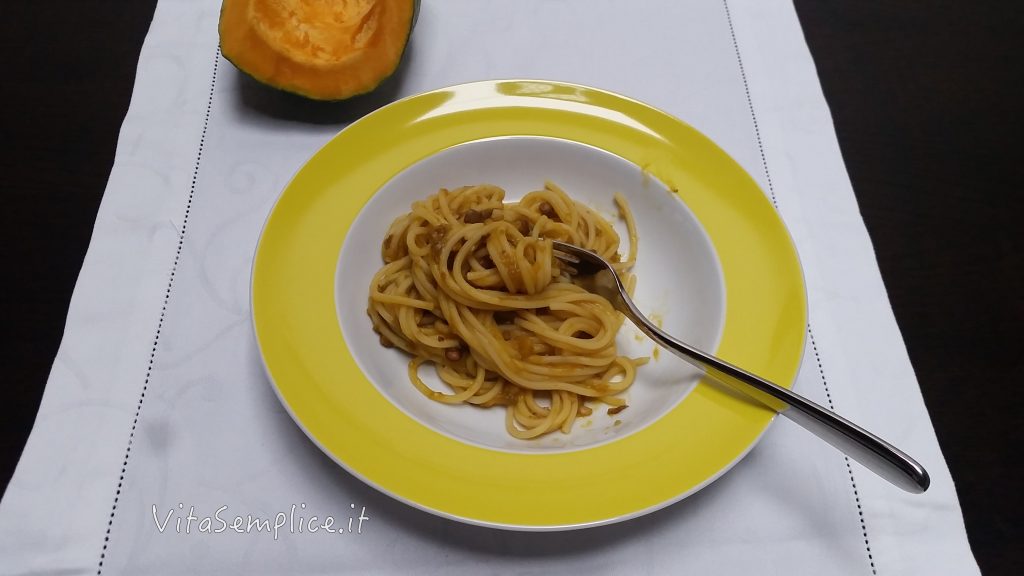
column 470, row 284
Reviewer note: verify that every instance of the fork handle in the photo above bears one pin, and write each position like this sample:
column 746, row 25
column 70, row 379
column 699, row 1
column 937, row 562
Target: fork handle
column 874, row 453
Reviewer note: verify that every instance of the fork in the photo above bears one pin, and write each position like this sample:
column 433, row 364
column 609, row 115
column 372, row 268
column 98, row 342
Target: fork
column 596, row 275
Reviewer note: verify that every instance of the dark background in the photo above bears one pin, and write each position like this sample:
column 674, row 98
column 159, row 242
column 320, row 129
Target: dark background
column 924, row 96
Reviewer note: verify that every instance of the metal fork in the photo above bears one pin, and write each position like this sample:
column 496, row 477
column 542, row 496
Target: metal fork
column 596, row 275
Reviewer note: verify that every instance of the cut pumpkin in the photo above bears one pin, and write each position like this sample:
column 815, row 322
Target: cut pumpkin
column 321, row 49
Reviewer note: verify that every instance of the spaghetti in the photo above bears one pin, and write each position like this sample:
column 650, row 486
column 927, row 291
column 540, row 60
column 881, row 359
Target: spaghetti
column 471, row 285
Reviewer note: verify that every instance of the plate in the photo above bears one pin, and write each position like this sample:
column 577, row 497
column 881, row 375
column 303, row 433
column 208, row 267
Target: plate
column 716, row 266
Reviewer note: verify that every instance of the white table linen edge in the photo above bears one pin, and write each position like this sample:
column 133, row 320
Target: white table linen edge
column 817, row 201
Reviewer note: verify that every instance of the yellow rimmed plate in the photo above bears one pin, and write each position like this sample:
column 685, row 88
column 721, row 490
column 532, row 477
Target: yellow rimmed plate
column 323, row 234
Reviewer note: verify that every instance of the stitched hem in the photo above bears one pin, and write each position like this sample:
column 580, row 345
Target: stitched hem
column 163, row 314
column 849, row 468
column 814, row 346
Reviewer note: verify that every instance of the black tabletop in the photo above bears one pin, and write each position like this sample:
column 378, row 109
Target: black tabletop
column 924, row 96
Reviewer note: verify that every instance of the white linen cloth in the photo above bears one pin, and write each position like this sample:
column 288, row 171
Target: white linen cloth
column 157, row 396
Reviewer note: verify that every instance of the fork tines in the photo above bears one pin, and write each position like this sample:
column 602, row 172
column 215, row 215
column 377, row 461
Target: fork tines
column 566, row 256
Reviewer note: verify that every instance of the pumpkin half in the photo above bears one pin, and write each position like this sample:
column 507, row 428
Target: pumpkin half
column 321, row 49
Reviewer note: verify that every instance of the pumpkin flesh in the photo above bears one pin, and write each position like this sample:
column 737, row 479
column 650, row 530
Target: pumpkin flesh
column 321, row 49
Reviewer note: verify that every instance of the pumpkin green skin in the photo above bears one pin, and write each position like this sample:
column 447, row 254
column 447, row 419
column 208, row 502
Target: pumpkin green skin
column 251, row 55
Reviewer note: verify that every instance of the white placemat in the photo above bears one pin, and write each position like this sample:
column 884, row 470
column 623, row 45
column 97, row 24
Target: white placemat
column 157, row 403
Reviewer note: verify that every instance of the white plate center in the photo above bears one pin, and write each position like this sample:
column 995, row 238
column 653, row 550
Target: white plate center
column 679, row 282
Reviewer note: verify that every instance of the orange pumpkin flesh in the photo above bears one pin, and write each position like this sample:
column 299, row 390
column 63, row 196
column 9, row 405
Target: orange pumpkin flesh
column 321, row 49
